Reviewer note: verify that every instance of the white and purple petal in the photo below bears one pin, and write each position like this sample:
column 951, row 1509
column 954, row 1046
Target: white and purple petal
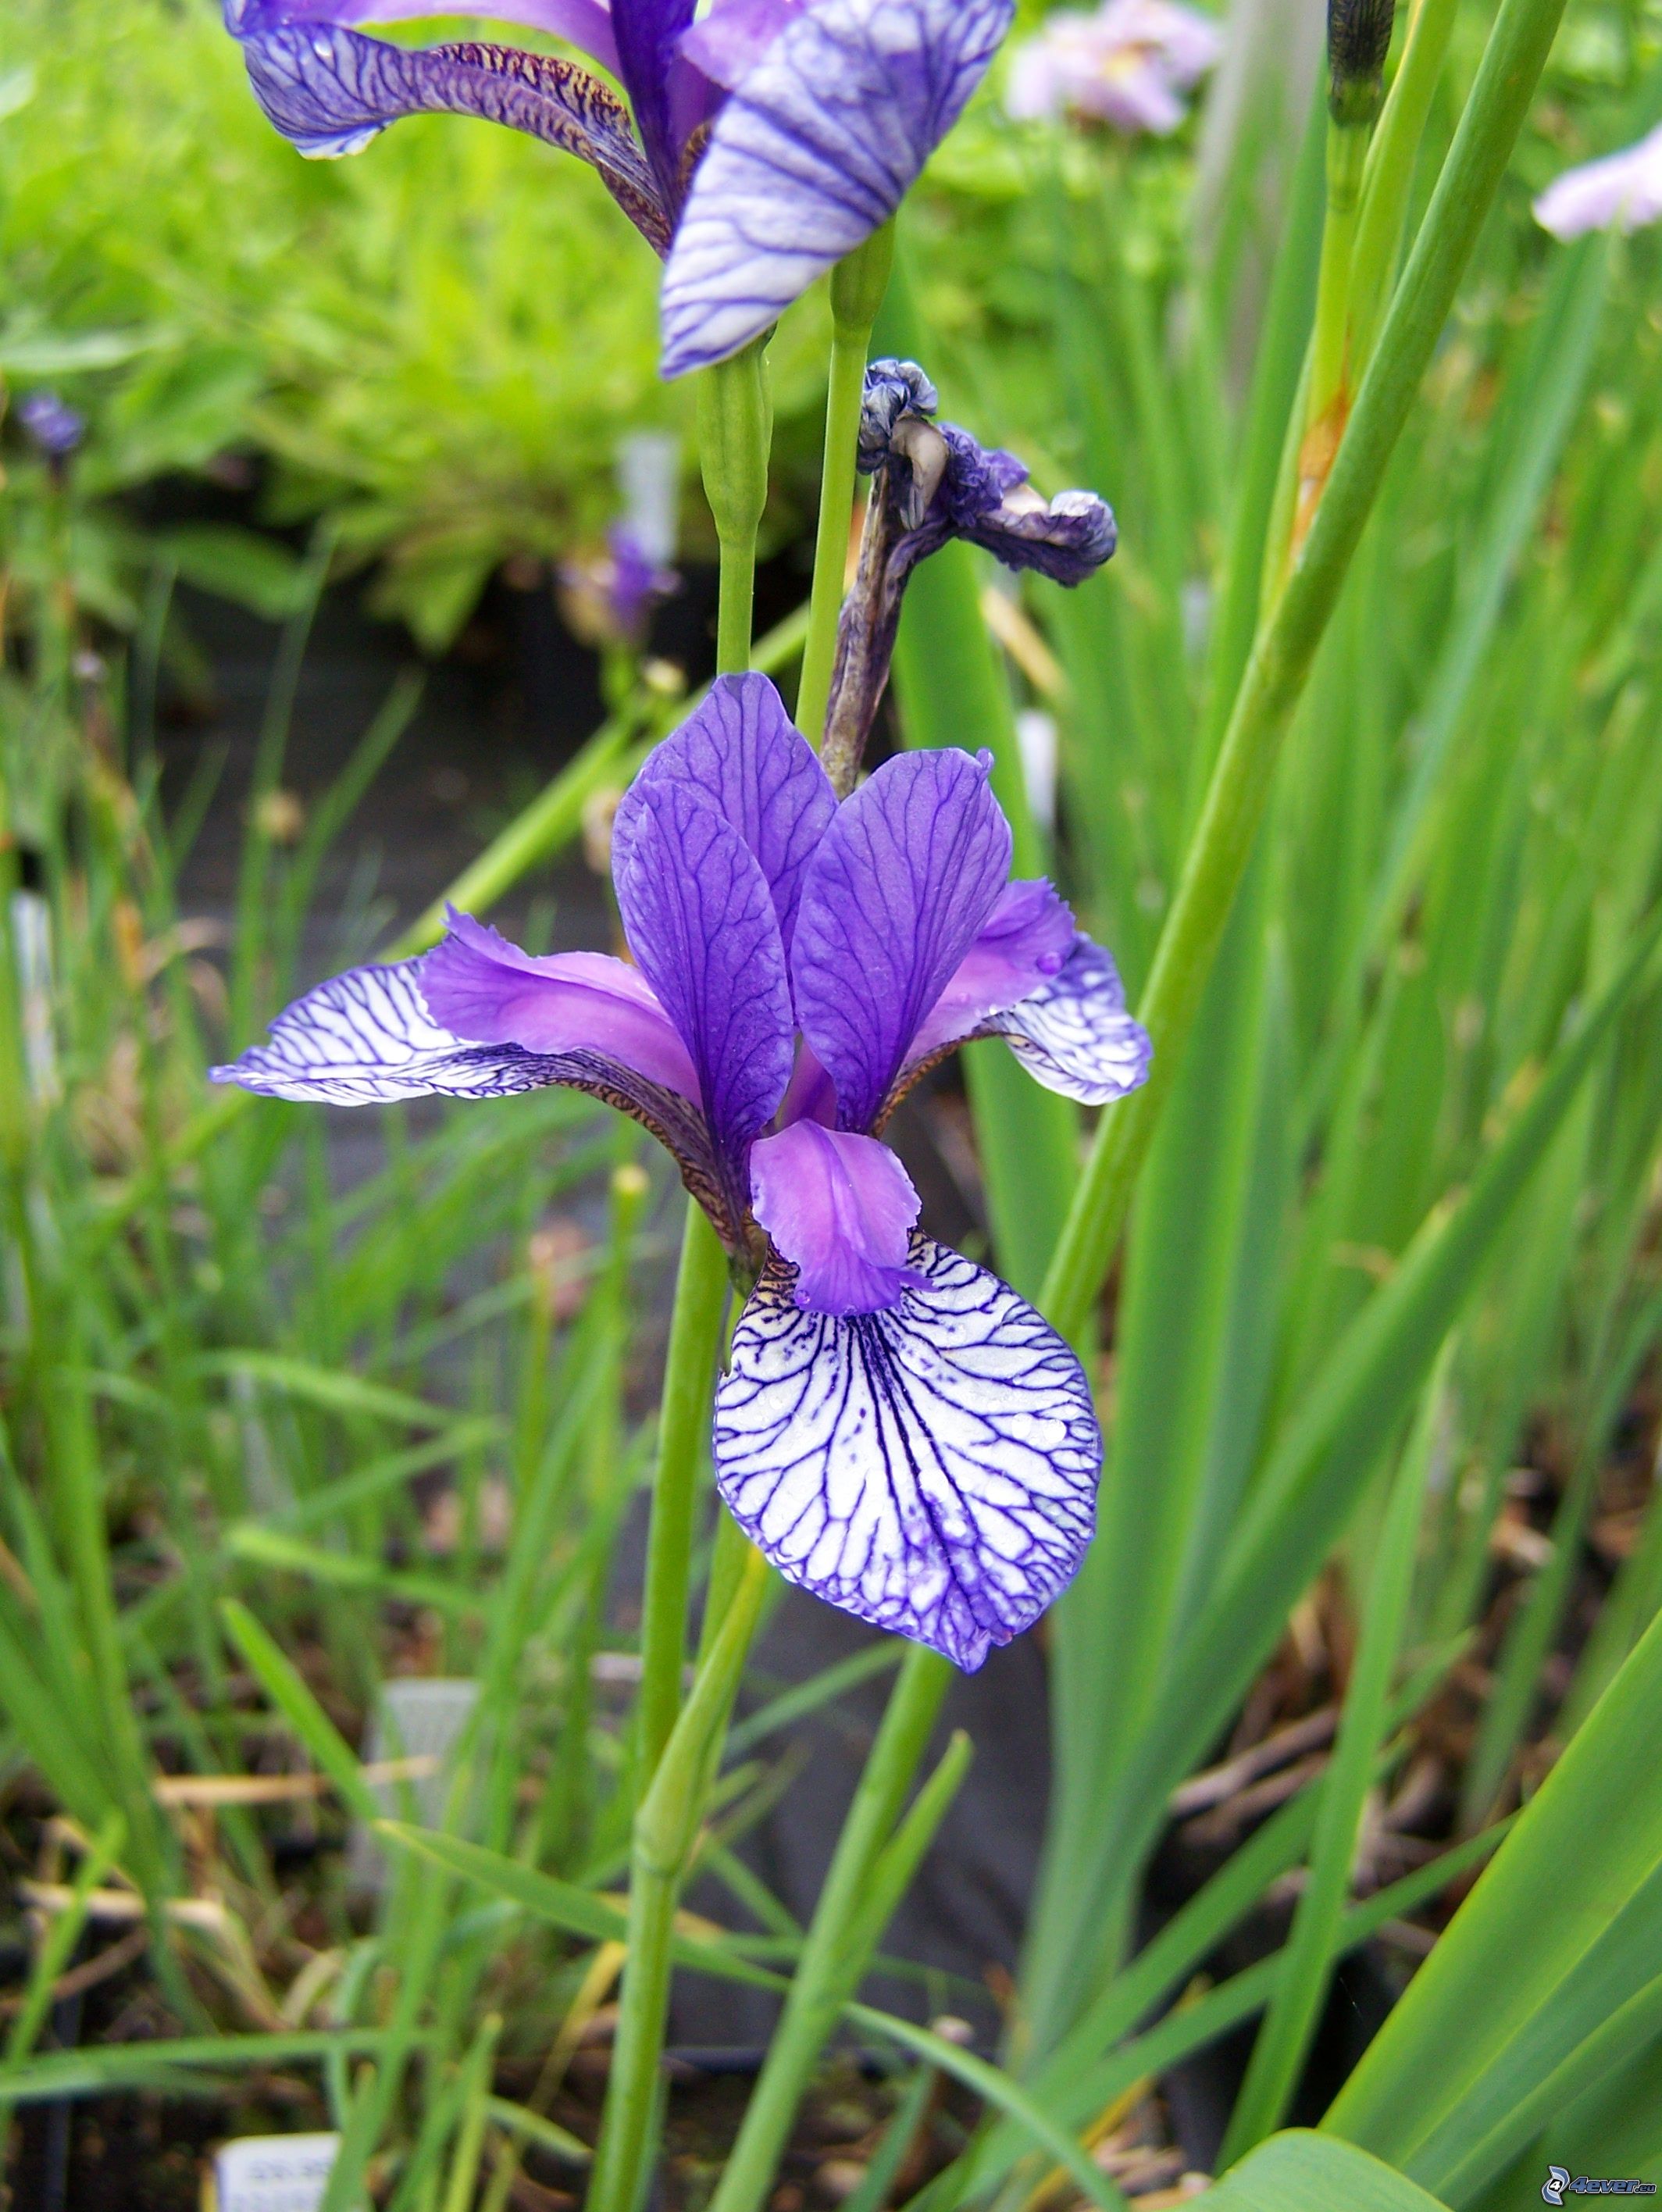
column 903, row 881
column 1022, row 944
column 814, row 150
column 330, row 90
column 743, row 755
column 1074, row 1034
column 931, row 1468
column 840, row 1209
column 1623, row 191
column 700, row 918
column 369, row 1038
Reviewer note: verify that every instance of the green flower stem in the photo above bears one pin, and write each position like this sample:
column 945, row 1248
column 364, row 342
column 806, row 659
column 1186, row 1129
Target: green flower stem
column 822, row 1981
column 683, row 1431
column 1287, row 639
column 735, row 431
column 676, row 1747
column 666, row 1829
column 857, row 286
column 1389, row 173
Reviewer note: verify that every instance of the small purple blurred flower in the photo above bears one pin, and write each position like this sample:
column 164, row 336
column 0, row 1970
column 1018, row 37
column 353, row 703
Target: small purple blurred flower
column 54, row 426
column 1128, row 65
column 608, row 598
column 760, row 144
column 897, row 1430
column 1624, row 192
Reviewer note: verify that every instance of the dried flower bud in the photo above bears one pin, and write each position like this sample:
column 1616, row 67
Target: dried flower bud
column 1358, row 40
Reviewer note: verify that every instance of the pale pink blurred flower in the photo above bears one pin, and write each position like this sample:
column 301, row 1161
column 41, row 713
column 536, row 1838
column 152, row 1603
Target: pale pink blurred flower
column 1622, row 192
column 1128, row 64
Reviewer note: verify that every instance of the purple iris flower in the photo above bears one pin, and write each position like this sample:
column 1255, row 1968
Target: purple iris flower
column 767, row 140
column 897, row 1430
column 52, row 423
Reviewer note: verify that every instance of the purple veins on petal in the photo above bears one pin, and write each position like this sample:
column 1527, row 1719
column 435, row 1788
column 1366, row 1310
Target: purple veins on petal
column 743, row 755
column 489, row 992
column 1074, row 1034
column 931, row 1468
column 1022, row 944
column 330, row 90
column 814, row 150
column 700, row 918
column 840, row 1209
column 585, row 23
column 369, row 1037
column 901, row 884
column 648, row 34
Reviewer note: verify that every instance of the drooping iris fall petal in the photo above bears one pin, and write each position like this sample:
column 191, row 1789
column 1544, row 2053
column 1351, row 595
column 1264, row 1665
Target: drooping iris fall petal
column 815, row 149
column 931, row 1468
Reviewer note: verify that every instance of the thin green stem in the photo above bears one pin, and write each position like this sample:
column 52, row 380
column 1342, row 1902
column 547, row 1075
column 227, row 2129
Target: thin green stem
column 736, row 428
column 665, row 1828
column 822, row 1982
column 1287, row 639
column 683, row 1428
column 857, row 286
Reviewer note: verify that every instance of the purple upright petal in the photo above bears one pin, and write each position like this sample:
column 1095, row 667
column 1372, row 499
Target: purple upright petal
column 585, row 23
column 741, row 754
column 730, row 40
column 902, row 882
column 700, row 920
column 814, row 151
column 931, row 1468
column 649, row 34
column 330, row 90
column 489, row 992
column 1022, row 944
column 1074, row 1034
column 840, row 1209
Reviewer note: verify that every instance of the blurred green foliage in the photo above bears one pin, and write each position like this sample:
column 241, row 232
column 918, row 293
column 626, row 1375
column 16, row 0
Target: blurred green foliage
column 442, row 341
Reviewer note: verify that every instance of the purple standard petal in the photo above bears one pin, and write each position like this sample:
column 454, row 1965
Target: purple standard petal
column 814, row 151
column 735, row 36
column 741, row 754
column 585, row 23
column 700, row 920
column 649, row 34
column 1022, row 945
column 1074, row 1034
column 931, row 1468
column 369, row 1037
column 902, row 882
column 840, row 1210
column 330, row 90
column 489, row 992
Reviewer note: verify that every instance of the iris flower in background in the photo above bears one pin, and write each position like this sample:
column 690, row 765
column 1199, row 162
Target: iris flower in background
column 1130, row 66
column 1622, row 192
column 608, row 598
column 897, row 1430
column 760, row 144
column 934, row 482
column 52, row 424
